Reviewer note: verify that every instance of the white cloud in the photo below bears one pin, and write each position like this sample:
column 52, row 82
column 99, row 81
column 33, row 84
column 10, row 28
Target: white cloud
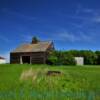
column 71, row 37
column 67, row 37
column 96, row 19
column 26, row 37
column 76, row 25
column 93, row 18
column 88, row 10
column 92, row 15
column 81, row 9
column 14, row 13
column 4, row 38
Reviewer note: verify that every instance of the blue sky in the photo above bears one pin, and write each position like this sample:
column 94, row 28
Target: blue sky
column 71, row 24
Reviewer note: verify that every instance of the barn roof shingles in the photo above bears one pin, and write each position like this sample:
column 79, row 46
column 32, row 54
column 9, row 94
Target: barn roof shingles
column 37, row 47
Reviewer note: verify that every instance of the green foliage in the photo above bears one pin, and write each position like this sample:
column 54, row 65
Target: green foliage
column 35, row 40
column 68, row 60
column 52, row 60
column 60, row 58
column 67, row 57
column 89, row 57
column 98, row 57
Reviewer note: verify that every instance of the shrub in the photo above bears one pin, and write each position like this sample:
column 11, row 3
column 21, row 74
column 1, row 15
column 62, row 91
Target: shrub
column 60, row 58
column 52, row 60
column 68, row 60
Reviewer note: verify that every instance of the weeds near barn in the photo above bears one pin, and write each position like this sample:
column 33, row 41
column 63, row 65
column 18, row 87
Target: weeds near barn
column 31, row 82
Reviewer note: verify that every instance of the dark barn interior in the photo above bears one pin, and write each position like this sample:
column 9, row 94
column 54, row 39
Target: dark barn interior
column 26, row 59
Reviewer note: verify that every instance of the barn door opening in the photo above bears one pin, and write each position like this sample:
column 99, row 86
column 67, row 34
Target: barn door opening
column 26, row 60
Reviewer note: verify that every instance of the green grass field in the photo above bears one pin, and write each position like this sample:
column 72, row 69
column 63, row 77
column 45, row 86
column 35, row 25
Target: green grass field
column 30, row 82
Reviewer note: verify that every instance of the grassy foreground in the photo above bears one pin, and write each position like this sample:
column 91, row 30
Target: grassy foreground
column 30, row 82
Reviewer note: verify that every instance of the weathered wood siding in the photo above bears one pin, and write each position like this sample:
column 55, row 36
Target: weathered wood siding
column 15, row 58
column 36, row 58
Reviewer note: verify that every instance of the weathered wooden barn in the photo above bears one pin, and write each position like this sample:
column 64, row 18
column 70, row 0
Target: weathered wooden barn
column 33, row 53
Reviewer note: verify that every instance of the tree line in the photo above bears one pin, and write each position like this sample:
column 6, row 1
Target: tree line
column 67, row 57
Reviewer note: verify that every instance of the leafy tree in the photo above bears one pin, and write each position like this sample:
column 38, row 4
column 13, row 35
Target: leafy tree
column 98, row 57
column 68, row 59
column 75, row 53
column 52, row 59
column 60, row 58
column 89, row 57
column 35, row 40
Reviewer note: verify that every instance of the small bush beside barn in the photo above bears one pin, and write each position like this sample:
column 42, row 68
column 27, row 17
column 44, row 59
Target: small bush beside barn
column 61, row 58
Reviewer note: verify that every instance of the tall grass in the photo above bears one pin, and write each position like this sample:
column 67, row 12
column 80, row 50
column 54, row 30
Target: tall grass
column 75, row 83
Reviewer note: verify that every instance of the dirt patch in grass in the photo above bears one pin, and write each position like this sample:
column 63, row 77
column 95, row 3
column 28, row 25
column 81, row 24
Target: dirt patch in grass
column 54, row 73
column 33, row 74
column 28, row 74
column 38, row 74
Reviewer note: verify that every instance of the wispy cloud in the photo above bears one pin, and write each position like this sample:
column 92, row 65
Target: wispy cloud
column 96, row 19
column 81, row 9
column 4, row 39
column 85, row 14
column 87, row 10
column 67, row 37
column 71, row 37
column 93, row 15
column 26, row 37
column 17, row 14
column 76, row 25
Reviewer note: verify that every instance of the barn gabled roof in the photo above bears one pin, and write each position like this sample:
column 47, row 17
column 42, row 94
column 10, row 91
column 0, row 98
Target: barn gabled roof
column 37, row 47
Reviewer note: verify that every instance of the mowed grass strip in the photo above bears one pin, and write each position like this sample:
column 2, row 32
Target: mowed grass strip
column 26, row 82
